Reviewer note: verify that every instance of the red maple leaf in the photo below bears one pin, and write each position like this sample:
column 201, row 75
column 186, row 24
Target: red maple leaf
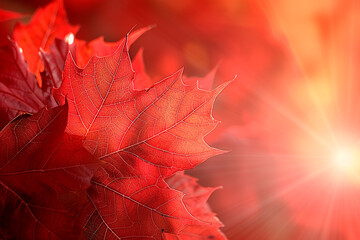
column 19, row 91
column 46, row 24
column 143, row 136
column 44, row 174
column 120, row 123
column 195, row 200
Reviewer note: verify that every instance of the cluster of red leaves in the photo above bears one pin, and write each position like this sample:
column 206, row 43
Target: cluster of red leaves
column 97, row 152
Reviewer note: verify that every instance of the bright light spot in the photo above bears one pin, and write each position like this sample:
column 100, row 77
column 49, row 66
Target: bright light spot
column 345, row 158
column 21, row 50
column 69, row 38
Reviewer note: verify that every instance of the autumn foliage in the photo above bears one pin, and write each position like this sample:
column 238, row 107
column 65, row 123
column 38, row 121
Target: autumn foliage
column 90, row 147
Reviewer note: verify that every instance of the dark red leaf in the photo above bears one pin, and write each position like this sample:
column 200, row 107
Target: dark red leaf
column 44, row 174
column 54, row 63
column 19, row 91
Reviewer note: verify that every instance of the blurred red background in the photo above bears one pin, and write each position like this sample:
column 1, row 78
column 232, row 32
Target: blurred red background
column 291, row 107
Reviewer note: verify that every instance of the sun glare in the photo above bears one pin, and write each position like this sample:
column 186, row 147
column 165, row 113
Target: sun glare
column 69, row 38
column 344, row 158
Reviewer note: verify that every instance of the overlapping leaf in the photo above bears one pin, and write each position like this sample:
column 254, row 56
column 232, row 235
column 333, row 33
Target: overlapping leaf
column 195, row 200
column 44, row 174
column 133, row 207
column 46, row 24
column 54, row 62
column 19, row 91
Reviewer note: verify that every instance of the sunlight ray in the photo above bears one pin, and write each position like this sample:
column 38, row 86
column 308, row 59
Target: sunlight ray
column 276, row 196
column 287, row 114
